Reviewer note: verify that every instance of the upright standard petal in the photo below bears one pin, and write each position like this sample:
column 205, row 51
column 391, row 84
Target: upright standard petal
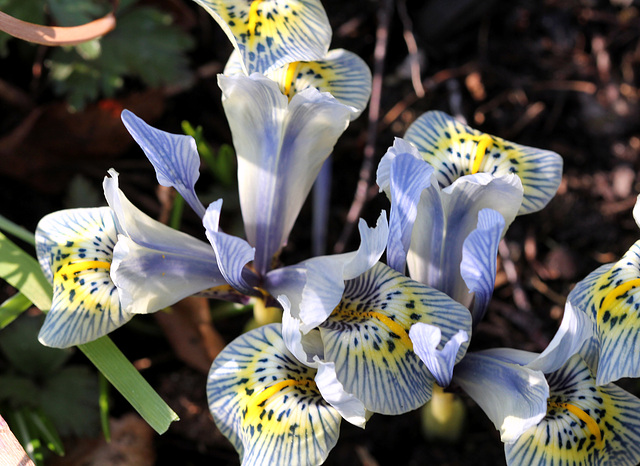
column 174, row 157
column 584, row 423
column 156, row 266
column 610, row 297
column 75, row 251
column 270, row 33
column 403, row 177
column 446, row 218
column 367, row 338
column 512, row 396
column 479, row 253
column 267, row 403
column 281, row 147
column 232, row 253
column 455, row 149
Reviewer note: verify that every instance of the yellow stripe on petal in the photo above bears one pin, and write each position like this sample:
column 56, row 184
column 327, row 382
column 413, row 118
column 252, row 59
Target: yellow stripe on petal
column 75, row 249
column 341, row 73
column 267, row 403
column 455, row 150
column 585, row 424
column 367, row 337
column 271, row 33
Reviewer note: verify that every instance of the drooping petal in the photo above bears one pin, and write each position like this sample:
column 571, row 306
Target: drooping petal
column 512, row 396
column 173, row 156
column 444, row 221
column 332, row 390
column 267, row 403
column 426, row 339
column 610, row 297
column 584, row 423
column 75, row 251
column 270, row 33
column 314, row 287
column 281, row 147
column 367, row 337
column 573, row 337
column 232, row 253
column 479, row 253
column 157, row 257
column 455, row 149
column 403, row 177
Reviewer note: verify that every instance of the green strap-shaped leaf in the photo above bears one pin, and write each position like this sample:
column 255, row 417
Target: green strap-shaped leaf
column 106, row 356
column 23, row 272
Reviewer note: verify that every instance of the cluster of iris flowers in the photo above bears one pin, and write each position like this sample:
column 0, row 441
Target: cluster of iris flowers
column 357, row 336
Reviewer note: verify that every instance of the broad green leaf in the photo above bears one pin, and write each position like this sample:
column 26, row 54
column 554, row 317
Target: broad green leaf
column 106, row 356
column 12, row 308
column 23, row 272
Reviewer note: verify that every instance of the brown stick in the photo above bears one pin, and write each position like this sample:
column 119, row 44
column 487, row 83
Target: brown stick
column 380, row 52
column 11, row 452
column 54, row 35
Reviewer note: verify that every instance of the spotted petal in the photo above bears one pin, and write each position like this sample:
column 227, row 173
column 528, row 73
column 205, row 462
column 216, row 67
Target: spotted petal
column 367, row 337
column 455, row 149
column 270, row 33
column 281, row 147
column 512, row 396
column 75, row 251
column 610, row 297
column 267, row 403
column 174, row 157
column 584, row 424
column 156, row 265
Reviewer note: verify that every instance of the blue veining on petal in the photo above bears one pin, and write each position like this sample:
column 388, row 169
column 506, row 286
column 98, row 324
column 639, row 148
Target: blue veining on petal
column 479, row 253
column 232, row 253
column 174, row 157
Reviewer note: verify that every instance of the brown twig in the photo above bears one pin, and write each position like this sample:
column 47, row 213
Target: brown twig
column 366, row 170
column 412, row 48
column 11, row 453
column 519, row 295
column 55, row 35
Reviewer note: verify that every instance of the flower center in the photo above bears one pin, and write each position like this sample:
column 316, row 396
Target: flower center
column 615, row 294
column 255, row 406
column 347, row 313
column 75, row 267
column 253, row 16
column 292, row 71
column 592, row 425
column 481, row 149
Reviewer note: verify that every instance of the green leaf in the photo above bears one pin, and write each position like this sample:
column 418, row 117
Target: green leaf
column 106, row 356
column 47, row 431
column 23, row 432
column 18, row 391
column 12, row 308
column 103, row 401
column 76, row 12
column 17, row 231
column 23, row 272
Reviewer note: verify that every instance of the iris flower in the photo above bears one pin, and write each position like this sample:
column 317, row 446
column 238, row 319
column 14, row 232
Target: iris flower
column 601, row 319
column 563, row 417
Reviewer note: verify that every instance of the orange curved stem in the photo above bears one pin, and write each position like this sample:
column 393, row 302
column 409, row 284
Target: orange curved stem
column 53, row 35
